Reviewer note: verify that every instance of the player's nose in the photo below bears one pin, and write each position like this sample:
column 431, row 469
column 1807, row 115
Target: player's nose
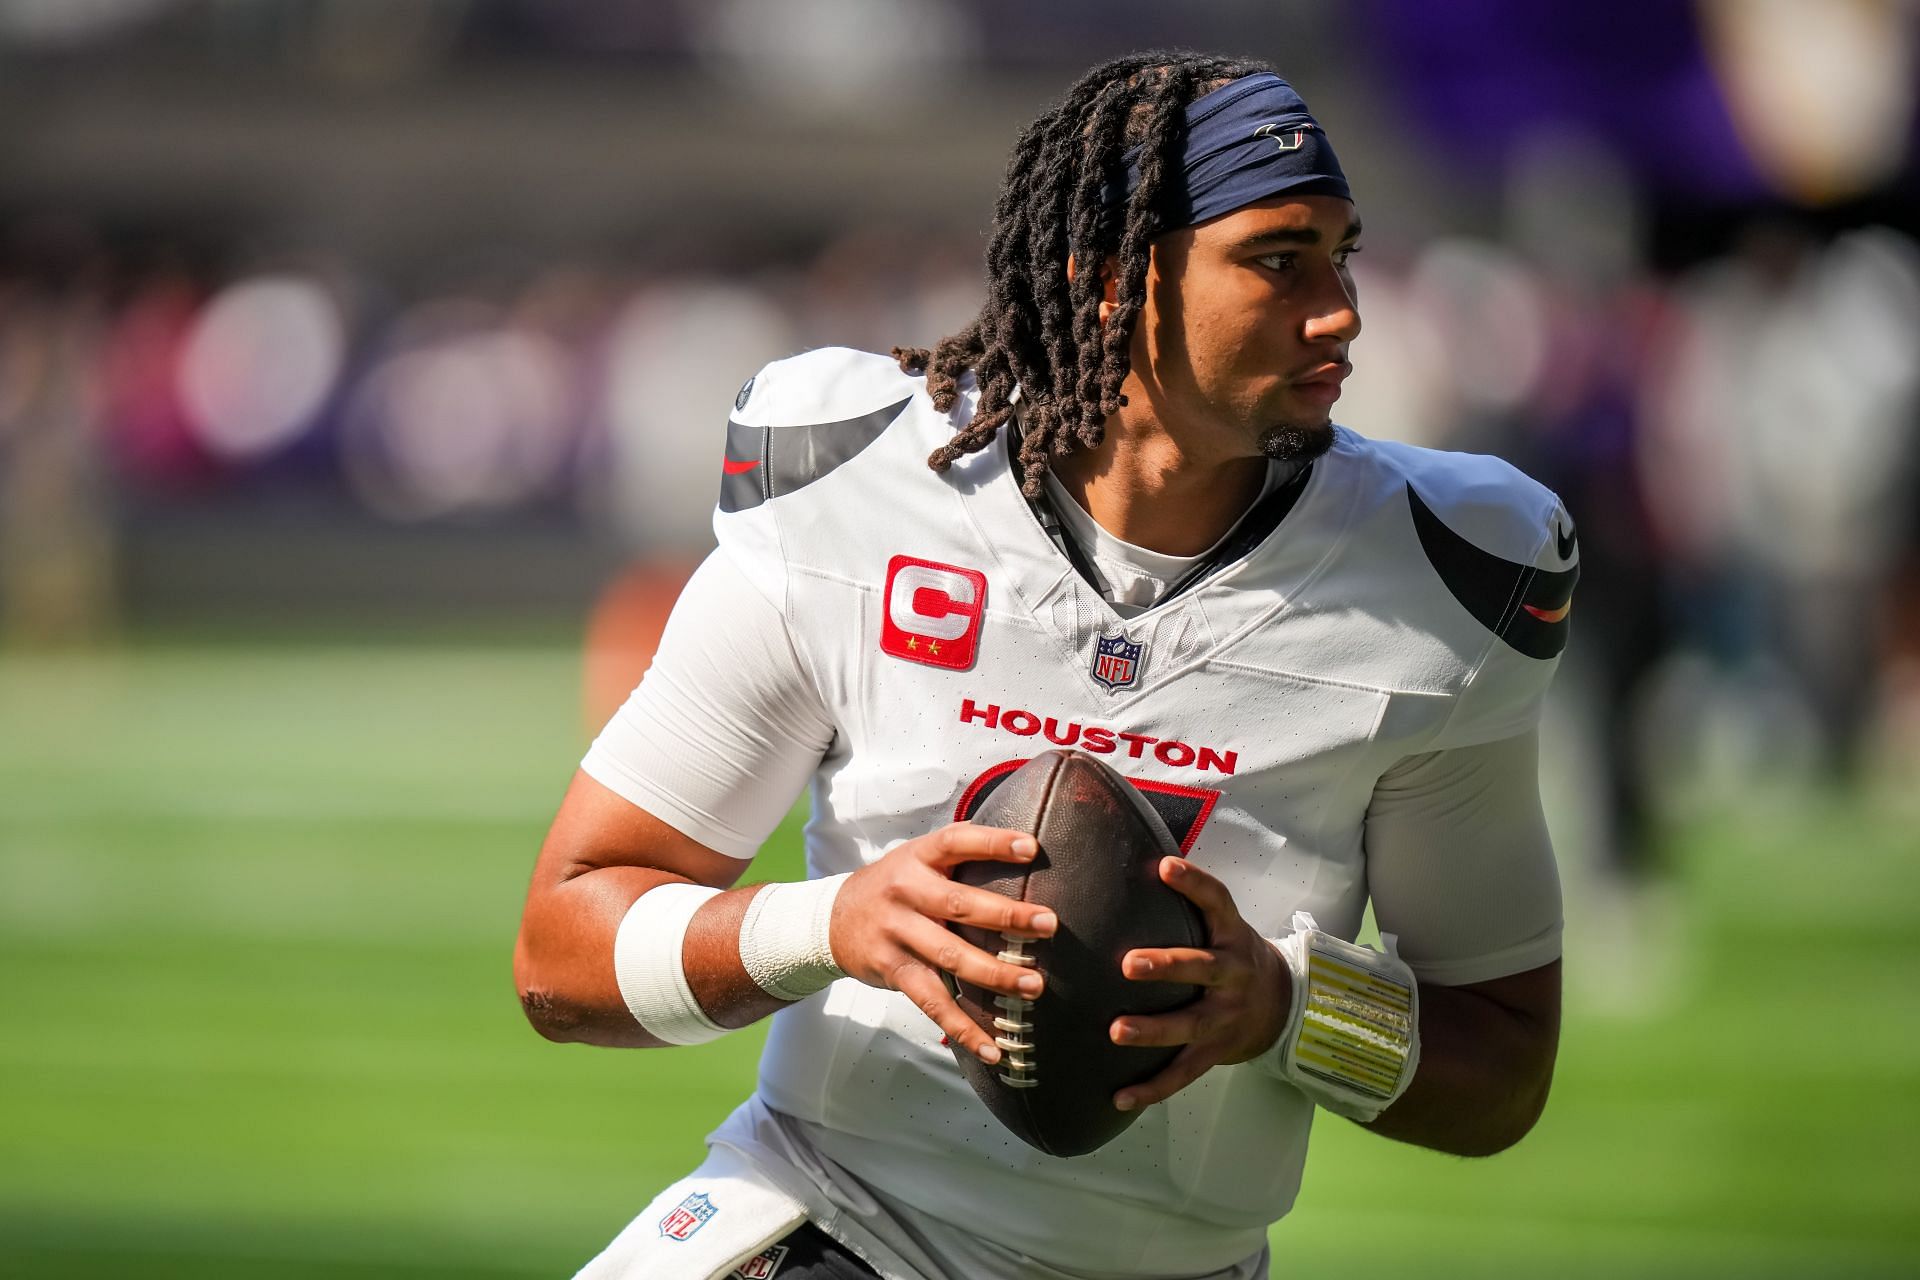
column 1335, row 313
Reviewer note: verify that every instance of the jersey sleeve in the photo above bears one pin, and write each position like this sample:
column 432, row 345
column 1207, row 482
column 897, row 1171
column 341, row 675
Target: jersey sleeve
column 1459, row 863
column 1526, row 605
column 724, row 730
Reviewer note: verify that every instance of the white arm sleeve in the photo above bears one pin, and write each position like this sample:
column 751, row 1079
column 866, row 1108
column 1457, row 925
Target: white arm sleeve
column 724, row 730
column 1459, row 863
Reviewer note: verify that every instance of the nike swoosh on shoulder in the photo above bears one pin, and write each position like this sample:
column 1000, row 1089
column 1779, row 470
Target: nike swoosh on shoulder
column 1524, row 605
column 795, row 454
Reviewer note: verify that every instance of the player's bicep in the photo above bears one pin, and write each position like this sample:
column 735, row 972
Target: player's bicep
column 1460, row 865
column 1531, row 997
column 598, row 828
column 726, row 727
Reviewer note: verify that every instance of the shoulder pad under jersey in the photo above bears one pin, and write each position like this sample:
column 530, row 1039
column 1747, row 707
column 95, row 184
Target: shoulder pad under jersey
column 1501, row 542
column 799, row 418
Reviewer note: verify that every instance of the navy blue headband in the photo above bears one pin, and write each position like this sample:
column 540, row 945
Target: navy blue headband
column 1248, row 140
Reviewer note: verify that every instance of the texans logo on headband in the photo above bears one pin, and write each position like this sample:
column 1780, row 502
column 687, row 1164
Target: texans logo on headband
column 1286, row 137
column 1248, row 140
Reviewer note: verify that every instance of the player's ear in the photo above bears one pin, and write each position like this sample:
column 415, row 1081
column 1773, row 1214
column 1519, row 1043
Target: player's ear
column 1109, row 280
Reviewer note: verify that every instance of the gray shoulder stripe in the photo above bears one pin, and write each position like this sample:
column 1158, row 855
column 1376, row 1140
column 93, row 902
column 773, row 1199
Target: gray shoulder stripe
column 767, row 462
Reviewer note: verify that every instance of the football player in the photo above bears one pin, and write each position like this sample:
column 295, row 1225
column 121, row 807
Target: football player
column 1113, row 514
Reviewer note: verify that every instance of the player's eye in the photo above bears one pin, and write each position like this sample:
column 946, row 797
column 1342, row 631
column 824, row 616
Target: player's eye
column 1276, row 261
column 1343, row 253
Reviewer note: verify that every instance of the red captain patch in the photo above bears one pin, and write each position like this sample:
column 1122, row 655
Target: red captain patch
column 933, row 612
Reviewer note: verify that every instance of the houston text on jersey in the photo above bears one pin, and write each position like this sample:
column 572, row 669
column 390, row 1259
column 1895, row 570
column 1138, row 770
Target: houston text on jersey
column 1097, row 739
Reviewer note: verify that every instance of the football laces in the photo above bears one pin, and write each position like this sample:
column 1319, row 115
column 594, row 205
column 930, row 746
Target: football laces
column 1018, row 1069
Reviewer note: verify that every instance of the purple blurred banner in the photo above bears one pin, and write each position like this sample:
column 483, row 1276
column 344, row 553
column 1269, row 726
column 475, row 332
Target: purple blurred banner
column 1478, row 77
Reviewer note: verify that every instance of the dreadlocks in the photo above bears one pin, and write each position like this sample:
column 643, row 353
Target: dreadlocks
column 1038, row 330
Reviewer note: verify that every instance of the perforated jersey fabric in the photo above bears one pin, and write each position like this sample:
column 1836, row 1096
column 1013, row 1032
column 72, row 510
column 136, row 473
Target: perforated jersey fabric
column 1349, row 709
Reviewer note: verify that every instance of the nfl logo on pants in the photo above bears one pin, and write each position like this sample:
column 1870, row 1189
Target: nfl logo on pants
column 1116, row 662
column 688, row 1217
column 762, row 1265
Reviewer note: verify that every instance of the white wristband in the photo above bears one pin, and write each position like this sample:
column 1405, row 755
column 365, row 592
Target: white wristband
column 1352, row 1039
column 648, row 965
column 784, row 937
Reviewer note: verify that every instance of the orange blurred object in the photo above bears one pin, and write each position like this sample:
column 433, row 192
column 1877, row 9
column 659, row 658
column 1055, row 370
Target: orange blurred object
column 624, row 630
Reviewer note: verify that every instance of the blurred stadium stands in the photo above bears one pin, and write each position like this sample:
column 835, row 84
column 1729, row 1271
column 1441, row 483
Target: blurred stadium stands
column 334, row 309
column 381, row 320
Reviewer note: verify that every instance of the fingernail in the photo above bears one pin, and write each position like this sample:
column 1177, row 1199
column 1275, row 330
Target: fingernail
column 1030, row 984
column 1124, row 1102
column 1143, row 966
column 1026, row 846
column 1046, row 922
column 989, row 1054
column 1122, row 1035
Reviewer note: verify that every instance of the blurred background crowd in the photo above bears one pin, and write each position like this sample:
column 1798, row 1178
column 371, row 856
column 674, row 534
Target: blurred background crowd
column 359, row 358
column 340, row 309
column 336, row 309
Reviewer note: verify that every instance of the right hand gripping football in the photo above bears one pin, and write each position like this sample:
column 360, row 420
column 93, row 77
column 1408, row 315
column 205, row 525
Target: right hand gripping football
column 889, row 925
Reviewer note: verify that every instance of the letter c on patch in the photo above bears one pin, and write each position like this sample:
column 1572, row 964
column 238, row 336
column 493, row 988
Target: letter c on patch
column 933, row 612
column 931, row 602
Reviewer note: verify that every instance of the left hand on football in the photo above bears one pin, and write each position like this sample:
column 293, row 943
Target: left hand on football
column 1241, row 1012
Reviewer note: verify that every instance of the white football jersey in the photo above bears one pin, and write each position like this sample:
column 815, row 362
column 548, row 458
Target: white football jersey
column 1291, row 716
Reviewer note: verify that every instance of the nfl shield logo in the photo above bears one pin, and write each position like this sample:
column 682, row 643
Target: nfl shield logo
column 1116, row 662
column 688, row 1217
column 763, row 1265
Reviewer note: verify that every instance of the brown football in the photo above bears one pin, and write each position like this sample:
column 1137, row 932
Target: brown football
column 1098, row 869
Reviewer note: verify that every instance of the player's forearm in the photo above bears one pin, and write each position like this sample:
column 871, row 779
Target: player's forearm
column 564, row 961
column 1486, row 1064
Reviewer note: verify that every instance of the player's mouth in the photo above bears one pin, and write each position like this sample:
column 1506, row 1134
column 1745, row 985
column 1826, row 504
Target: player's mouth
column 1322, row 383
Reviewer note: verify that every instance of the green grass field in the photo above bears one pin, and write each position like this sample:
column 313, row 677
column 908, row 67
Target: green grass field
column 256, row 915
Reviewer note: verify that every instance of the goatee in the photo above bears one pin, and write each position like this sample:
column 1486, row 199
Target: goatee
column 1297, row 444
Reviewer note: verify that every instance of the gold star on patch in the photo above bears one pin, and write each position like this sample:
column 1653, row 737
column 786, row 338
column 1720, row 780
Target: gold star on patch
column 933, row 647
column 912, row 643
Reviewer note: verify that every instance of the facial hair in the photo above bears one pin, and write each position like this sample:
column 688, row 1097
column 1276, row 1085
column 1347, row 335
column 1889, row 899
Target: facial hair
column 1294, row 443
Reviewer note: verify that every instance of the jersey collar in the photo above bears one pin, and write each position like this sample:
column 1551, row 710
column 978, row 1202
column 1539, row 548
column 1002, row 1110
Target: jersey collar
column 1253, row 527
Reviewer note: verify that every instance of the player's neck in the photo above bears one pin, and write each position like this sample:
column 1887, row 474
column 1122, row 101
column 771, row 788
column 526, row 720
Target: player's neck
column 1142, row 488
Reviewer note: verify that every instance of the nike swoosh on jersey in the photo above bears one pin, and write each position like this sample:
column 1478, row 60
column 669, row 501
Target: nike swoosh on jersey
column 1524, row 605
column 1565, row 540
column 730, row 467
column 795, row 456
